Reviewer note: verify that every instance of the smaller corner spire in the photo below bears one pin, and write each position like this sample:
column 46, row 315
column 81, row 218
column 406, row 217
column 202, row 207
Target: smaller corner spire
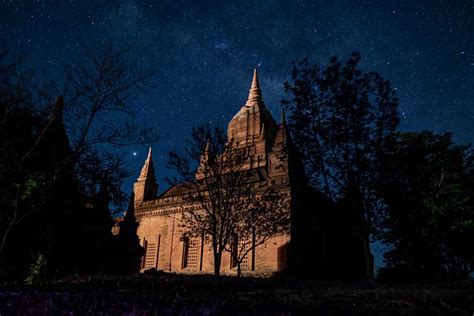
column 146, row 188
column 130, row 213
column 58, row 107
column 283, row 116
column 147, row 171
column 207, row 155
column 282, row 134
column 207, row 149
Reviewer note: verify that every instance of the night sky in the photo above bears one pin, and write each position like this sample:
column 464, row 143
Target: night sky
column 205, row 53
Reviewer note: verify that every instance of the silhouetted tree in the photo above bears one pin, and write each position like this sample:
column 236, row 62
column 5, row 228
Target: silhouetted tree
column 342, row 121
column 97, row 237
column 50, row 179
column 127, row 250
column 429, row 219
column 21, row 129
column 233, row 208
column 99, row 88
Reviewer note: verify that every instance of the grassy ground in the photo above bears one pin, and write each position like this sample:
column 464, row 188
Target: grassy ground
column 205, row 295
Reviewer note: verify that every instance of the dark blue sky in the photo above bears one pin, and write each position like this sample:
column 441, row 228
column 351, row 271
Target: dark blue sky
column 205, row 53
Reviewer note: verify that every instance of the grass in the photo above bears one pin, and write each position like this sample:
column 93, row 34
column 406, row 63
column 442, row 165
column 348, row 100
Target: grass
column 169, row 294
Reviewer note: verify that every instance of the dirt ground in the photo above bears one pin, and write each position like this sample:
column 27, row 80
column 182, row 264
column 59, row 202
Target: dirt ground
column 168, row 294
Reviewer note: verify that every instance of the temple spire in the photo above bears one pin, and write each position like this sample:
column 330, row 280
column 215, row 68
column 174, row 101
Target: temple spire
column 147, row 170
column 145, row 188
column 130, row 213
column 255, row 94
column 282, row 133
column 283, row 117
column 58, row 108
column 207, row 150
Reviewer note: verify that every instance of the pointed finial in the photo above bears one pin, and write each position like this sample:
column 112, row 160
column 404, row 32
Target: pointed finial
column 283, row 116
column 255, row 94
column 58, row 107
column 147, row 169
column 207, row 150
column 207, row 156
column 255, row 84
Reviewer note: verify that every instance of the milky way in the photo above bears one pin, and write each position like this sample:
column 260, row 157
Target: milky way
column 205, row 53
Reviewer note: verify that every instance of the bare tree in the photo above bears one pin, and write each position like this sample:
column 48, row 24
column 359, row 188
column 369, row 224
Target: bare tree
column 266, row 216
column 97, row 90
column 230, row 196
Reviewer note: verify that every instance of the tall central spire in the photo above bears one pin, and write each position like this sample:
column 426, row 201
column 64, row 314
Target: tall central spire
column 255, row 94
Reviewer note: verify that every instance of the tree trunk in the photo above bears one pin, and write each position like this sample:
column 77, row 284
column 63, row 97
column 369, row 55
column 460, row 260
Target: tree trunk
column 368, row 258
column 3, row 246
column 217, row 263
column 5, row 237
column 11, row 223
column 4, row 240
column 239, row 270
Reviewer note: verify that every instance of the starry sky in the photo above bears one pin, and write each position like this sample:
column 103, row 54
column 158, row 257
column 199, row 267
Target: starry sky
column 205, row 52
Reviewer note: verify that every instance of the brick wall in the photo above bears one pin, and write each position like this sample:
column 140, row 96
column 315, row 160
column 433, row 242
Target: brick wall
column 163, row 238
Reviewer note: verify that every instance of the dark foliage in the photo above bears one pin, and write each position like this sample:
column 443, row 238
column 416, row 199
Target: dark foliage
column 341, row 121
column 429, row 221
column 55, row 192
column 413, row 191
column 126, row 250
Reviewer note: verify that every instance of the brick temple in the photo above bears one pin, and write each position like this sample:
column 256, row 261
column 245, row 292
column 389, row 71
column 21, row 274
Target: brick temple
column 311, row 243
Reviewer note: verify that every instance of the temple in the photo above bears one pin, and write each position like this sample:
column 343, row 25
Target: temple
column 309, row 247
